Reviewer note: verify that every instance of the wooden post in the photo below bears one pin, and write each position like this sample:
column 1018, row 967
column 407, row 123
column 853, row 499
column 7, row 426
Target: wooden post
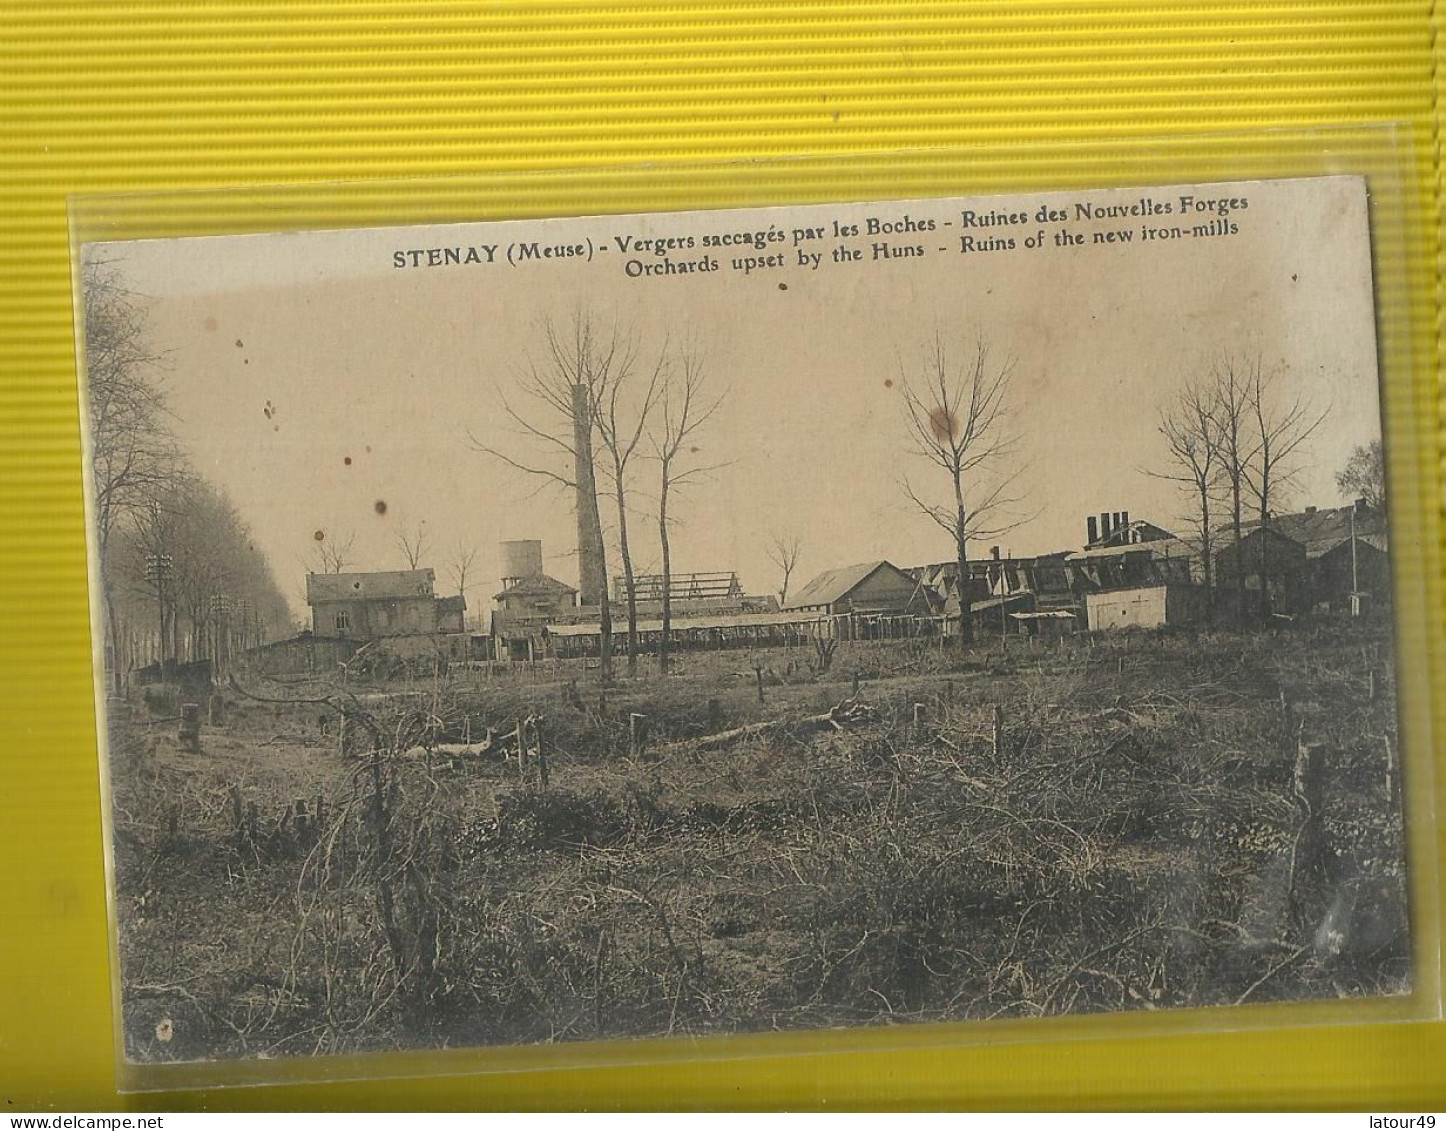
column 1309, row 782
column 921, row 718
column 758, row 672
column 637, row 734
column 1309, row 777
column 998, row 736
column 216, row 710
column 190, row 732
column 856, row 684
column 521, row 735
column 542, row 775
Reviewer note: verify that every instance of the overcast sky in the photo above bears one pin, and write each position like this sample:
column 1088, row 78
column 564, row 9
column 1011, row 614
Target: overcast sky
column 312, row 378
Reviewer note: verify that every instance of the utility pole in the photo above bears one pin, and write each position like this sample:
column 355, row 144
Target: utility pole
column 1355, row 581
column 221, row 635
column 159, row 569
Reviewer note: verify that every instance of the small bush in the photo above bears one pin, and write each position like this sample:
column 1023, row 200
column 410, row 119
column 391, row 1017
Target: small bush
column 559, row 818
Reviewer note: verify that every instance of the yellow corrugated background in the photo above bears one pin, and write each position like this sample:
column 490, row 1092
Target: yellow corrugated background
column 112, row 96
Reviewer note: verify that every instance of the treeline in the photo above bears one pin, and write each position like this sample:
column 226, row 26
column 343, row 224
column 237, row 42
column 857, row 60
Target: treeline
column 1235, row 438
column 181, row 578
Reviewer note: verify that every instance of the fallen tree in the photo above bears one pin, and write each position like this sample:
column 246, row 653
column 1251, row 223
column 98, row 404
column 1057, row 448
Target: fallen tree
column 852, row 712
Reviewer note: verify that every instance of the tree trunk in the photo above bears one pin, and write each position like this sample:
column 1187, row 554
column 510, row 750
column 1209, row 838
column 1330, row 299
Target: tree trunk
column 1239, row 555
column 667, row 574
column 590, row 534
column 1265, row 605
column 1207, row 562
column 110, row 635
column 1264, row 536
column 966, row 619
column 627, row 574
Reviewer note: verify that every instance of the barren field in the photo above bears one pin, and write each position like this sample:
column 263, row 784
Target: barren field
column 1144, row 821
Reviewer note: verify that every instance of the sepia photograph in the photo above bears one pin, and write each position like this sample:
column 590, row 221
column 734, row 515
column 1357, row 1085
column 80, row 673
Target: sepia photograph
column 771, row 619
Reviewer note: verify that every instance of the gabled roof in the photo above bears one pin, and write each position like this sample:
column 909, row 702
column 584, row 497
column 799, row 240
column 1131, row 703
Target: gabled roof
column 535, row 585
column 834, row 585
column 1320, row 531
column 382, row 585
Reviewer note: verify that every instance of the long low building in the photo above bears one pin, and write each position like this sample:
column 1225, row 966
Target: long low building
column 567, row 641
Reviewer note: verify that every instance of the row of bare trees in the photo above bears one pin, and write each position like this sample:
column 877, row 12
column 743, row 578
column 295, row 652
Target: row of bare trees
column 1235, row 435
column 181, row 577
column 590, row 409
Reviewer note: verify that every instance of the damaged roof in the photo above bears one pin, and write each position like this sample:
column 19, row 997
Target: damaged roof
column 382, row 585
column 535, row 585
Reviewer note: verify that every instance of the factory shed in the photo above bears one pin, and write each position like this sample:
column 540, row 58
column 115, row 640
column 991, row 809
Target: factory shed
column 1046, row 622
column 870, row 587
column 572, row 641
column 1347, row 553
column 1144, row 606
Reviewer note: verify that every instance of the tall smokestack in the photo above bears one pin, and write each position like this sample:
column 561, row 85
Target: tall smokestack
column 590, row 579
column 1104, row 525
column 1092, row 530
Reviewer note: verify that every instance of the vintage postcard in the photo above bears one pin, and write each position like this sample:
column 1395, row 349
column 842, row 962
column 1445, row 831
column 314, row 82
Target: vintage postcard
column 730, row 621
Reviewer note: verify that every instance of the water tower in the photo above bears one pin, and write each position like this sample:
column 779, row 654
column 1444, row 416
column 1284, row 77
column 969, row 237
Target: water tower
column 521, row 559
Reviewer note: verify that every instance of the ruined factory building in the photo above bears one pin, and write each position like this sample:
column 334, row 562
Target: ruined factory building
column 1140, row 584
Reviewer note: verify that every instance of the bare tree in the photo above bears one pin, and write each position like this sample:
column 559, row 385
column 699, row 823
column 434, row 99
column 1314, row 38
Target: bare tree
column 1192, row 446
column 621, row 417
column 1283, row 423
column 332, row 553
column 1364, row 475
column 553, row 413
column 684, row 406
column 414, row 544
column 464, row 554
column 1230, row 401
column 956, row 410
column 134, row 456
column 784, row 551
